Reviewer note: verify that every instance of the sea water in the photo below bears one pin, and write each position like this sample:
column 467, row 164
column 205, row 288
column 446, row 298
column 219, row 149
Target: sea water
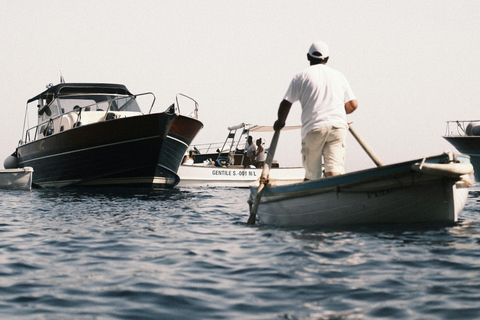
column 187, row 254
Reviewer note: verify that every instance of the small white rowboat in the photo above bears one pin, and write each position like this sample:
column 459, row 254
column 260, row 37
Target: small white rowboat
column 20, row 178
column 433, row 189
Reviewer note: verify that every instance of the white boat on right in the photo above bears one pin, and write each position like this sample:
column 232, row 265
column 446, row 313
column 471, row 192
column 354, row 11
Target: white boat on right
column 464, row 135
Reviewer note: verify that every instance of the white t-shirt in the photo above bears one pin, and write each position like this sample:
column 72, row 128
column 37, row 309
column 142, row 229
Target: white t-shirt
column 261, row 156
column 251, row 149
column 322, row 92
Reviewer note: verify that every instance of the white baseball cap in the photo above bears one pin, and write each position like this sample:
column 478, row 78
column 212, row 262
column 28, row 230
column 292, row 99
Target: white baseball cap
column 319, row 50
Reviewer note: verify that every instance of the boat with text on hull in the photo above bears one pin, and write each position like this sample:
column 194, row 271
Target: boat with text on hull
column 223, row 164
column 233, row 176
column 16, row 179
column 433, row 189
column 464, row 135
column 95, row 134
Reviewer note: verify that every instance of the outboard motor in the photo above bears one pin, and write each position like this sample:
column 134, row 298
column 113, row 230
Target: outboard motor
column 11, row 162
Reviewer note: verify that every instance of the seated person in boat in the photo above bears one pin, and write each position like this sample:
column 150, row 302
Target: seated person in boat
column 231, row 158
column 250, row 150
column 189, row 158
column 259, row 154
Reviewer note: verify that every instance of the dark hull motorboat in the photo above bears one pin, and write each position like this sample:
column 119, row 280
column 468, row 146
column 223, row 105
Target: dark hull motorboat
column 465, row 137
column 95, row 135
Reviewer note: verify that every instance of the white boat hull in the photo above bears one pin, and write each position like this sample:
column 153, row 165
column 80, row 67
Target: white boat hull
column 16, row 179
column 437, row 203
column 210, row 176
column 392, row 194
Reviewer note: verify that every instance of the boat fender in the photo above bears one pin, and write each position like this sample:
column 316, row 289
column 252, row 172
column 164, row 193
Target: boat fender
column 221, row 163
column 11, row 162
column 473, row 129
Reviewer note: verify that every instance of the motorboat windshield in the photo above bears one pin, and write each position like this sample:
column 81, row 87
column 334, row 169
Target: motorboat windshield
column 67, row 106
column 98, row 103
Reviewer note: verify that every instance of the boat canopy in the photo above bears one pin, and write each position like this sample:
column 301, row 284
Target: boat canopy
column 257, row 128
column 80, row 88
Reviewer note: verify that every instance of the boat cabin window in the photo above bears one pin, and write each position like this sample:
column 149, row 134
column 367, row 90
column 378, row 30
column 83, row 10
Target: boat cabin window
column 76, row 104
column 48, row 111
column 98, row 103
column 127, row 104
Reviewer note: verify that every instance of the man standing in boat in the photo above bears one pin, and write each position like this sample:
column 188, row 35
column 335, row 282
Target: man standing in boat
column 260, row 155
column 326, row 98
column 250, row 150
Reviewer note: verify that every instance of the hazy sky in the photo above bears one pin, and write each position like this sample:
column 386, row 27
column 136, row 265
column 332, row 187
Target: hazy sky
column 412, row 64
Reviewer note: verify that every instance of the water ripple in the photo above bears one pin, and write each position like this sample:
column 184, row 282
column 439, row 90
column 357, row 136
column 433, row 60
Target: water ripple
column 187, row 254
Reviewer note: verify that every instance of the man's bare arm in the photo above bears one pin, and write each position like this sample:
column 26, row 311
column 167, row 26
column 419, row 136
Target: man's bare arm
column 283, row 111
column 351, row 106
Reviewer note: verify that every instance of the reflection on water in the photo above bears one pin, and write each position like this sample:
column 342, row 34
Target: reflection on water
column 187, row 254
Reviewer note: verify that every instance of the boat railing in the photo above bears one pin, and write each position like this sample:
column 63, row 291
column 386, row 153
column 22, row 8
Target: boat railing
column 213, row 147
column 194, row 113
column 219, row 150
column 147, row 93
column 458, row 127
column 73, row 118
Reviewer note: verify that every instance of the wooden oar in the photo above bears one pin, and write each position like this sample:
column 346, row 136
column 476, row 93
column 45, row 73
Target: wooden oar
column 263, row 178
column 365, row 146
